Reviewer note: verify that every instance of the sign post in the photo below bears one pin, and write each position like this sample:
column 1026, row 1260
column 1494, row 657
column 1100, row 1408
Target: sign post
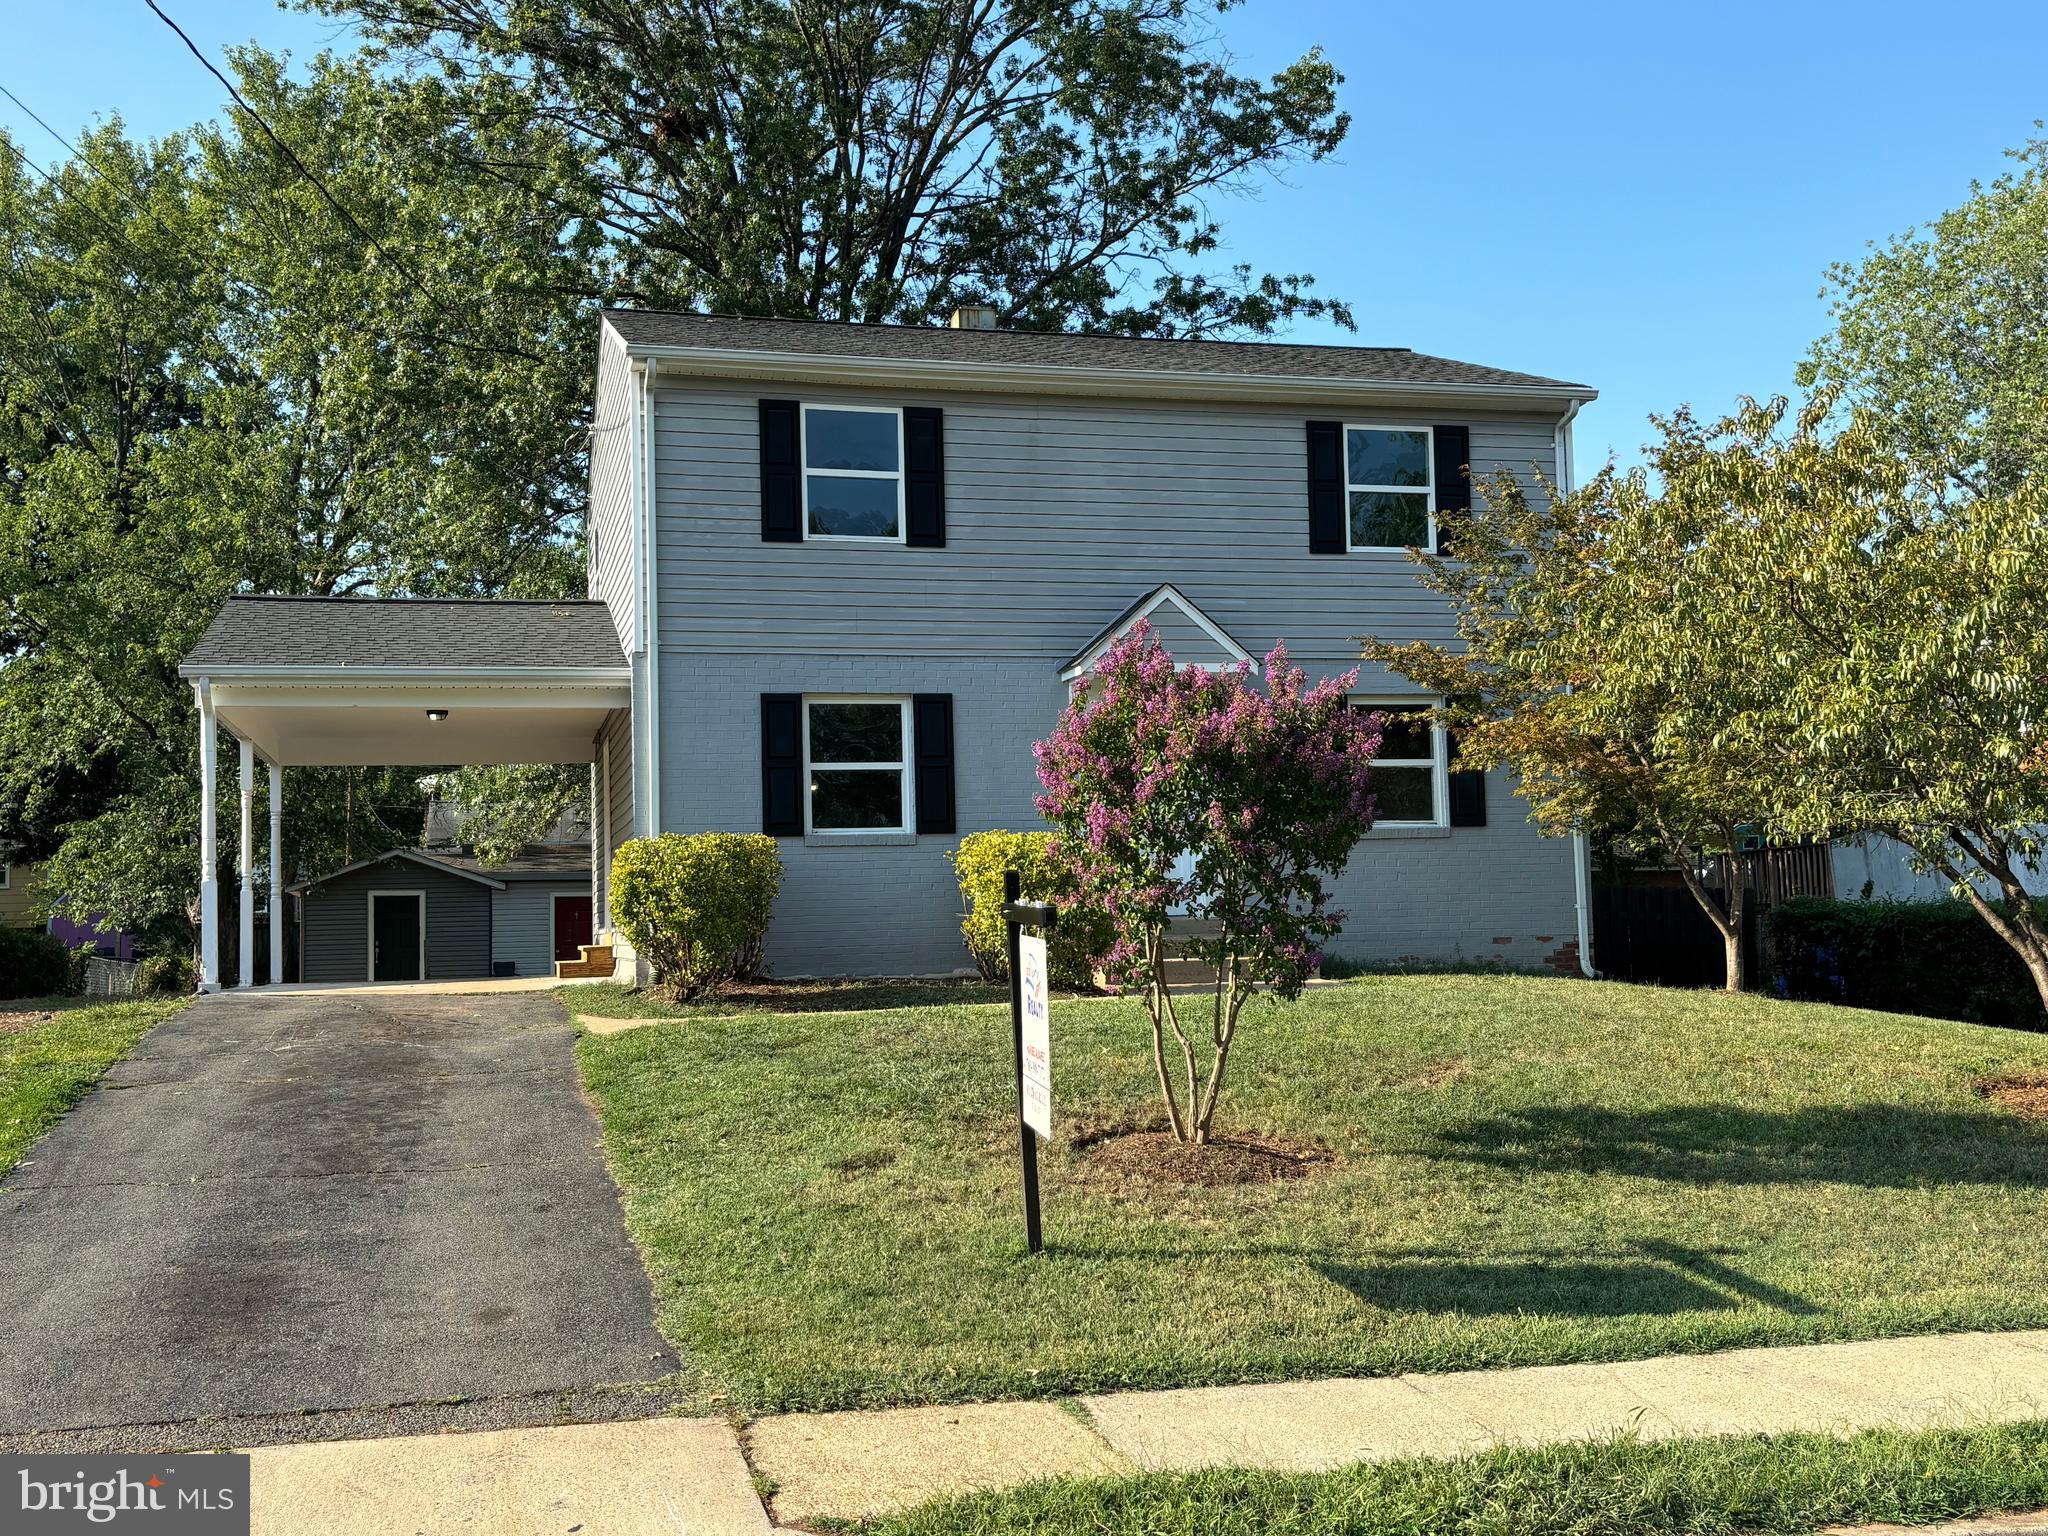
column 1030, row 1031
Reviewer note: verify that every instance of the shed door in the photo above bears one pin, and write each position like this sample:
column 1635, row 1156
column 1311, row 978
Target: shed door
column 397, row 936
column 572, row 926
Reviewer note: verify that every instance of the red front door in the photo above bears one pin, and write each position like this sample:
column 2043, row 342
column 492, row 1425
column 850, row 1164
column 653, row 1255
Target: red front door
column 572, row 926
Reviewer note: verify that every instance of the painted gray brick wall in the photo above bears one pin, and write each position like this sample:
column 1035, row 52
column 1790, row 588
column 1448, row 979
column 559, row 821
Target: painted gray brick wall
column 895, row 910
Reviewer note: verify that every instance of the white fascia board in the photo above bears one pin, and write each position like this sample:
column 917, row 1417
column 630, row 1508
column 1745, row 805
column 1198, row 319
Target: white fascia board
column 1176, row 384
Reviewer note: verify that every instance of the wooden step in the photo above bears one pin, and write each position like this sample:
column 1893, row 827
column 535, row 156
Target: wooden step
column 593, row 962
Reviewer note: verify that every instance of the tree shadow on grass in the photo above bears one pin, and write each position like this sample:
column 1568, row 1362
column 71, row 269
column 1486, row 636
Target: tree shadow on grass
column 1883, row 1146
column 1654, row 1278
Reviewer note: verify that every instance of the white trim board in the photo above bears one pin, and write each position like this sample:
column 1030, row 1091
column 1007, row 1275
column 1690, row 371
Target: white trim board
column 1168, row 593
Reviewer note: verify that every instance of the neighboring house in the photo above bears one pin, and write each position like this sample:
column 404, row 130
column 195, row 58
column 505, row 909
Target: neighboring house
column 1881, row 869
column 844, row 576
column 18, row 896
column 20, row 890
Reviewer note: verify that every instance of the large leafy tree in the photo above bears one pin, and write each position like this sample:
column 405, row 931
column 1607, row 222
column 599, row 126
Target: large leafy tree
column 1941, row 338
column 1577, row 667
column 1898, row 653
column 889, row 159
column 212, row 381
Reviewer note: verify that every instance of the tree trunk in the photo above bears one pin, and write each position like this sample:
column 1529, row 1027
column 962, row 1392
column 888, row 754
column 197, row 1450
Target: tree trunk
column 2018, row 925
column 1728, row 924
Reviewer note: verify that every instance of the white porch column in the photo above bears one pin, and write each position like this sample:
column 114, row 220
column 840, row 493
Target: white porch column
column 245, row 865
column 276, row 875
column 209, row 888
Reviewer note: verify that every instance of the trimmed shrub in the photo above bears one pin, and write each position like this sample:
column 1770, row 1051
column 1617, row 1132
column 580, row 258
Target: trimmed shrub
column 980, row 862
column 165, row 975
column 696, row 906
column 33, row 964
column 1937, row 958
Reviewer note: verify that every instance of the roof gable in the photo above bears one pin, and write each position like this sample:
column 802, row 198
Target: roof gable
column 1186, row 633
column 415, row 856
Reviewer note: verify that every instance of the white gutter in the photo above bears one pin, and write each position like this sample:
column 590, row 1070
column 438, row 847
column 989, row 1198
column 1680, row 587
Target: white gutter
column 1582, row 846
column 328, row 676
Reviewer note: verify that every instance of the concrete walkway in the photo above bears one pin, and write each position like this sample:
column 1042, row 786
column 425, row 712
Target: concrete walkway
column 675, row 1476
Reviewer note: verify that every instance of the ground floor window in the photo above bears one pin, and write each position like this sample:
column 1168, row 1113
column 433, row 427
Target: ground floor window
column 1409, row 780
column 855, row 756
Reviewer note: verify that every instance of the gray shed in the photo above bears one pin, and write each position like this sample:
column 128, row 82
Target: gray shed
column 410, row 915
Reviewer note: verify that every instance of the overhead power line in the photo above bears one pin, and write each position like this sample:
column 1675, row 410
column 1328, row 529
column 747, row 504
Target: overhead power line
column 291, row 155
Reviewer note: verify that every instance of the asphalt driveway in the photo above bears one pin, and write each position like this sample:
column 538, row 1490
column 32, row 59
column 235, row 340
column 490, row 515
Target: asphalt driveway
column 286, row 1203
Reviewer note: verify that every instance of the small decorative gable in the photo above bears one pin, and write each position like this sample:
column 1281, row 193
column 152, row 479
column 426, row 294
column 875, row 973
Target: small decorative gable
column 1189, row 635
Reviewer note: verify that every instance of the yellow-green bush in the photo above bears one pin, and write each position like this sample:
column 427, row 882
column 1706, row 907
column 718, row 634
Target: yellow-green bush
column 696, row 906
column 980, row 862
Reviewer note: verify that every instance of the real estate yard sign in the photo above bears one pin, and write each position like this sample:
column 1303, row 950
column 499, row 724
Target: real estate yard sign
column 1036, row 1044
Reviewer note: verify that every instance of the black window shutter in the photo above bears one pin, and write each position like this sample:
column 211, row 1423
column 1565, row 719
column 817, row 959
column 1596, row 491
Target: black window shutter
column 1467, row 791
column 1326, row 487
column 782, row 764
column 924, row 476
column 781, row 497
column 931, row 718
column 1453, row 490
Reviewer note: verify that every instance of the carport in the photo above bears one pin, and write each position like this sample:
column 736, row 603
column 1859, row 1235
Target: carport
column 362, row 682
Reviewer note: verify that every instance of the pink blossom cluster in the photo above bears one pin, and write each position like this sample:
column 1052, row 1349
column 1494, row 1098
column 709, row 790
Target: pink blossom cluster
column 1198, row 790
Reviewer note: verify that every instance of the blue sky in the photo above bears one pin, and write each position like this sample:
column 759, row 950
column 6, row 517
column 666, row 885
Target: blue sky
column 1640, row 197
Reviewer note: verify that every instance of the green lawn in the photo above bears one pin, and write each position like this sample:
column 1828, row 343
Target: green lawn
column 1529, row 1171
column 49, row 1064
column 1787, row 1485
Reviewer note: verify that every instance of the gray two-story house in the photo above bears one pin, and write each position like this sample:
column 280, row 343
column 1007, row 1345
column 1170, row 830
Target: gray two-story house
column 842, row 577
column 855, row 571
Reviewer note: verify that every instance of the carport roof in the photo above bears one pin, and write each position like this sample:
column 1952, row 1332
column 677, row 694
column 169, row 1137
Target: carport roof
column 267, row 635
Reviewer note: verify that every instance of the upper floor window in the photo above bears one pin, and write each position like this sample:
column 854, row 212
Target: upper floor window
column 1409, row 782
column 1390, row 489
column 855, row 764
column 853, row 472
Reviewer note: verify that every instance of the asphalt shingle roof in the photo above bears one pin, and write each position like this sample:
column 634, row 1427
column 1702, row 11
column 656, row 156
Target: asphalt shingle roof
column 1060, row 349
column 405, row 632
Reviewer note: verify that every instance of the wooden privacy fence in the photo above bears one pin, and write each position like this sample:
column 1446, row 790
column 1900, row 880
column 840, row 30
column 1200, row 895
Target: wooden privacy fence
column 1656, row 932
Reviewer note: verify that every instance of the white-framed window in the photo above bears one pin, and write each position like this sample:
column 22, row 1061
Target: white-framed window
column 853, row 472
column 857, row 764
column 6, row 877
column 1389, row 487
column 1410, row 775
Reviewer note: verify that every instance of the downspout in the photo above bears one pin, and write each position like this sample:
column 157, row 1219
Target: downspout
column 1582, row 847
column 650, row 612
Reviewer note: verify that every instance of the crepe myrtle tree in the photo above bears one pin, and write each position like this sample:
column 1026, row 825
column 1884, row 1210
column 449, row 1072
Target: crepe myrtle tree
column 1185, row 790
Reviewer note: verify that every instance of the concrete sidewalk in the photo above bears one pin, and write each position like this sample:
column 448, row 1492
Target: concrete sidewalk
column 693, row 1475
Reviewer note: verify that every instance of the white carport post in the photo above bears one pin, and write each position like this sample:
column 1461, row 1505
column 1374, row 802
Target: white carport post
column 209, row 888
column 245, row 865
column 276, row 875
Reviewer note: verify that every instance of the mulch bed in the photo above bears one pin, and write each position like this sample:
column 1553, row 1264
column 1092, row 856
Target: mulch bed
column 16, row 1023
column 1151, row 1157
column 2024, row 1096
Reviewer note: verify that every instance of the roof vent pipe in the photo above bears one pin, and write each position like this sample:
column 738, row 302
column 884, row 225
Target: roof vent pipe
column 973, row 317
